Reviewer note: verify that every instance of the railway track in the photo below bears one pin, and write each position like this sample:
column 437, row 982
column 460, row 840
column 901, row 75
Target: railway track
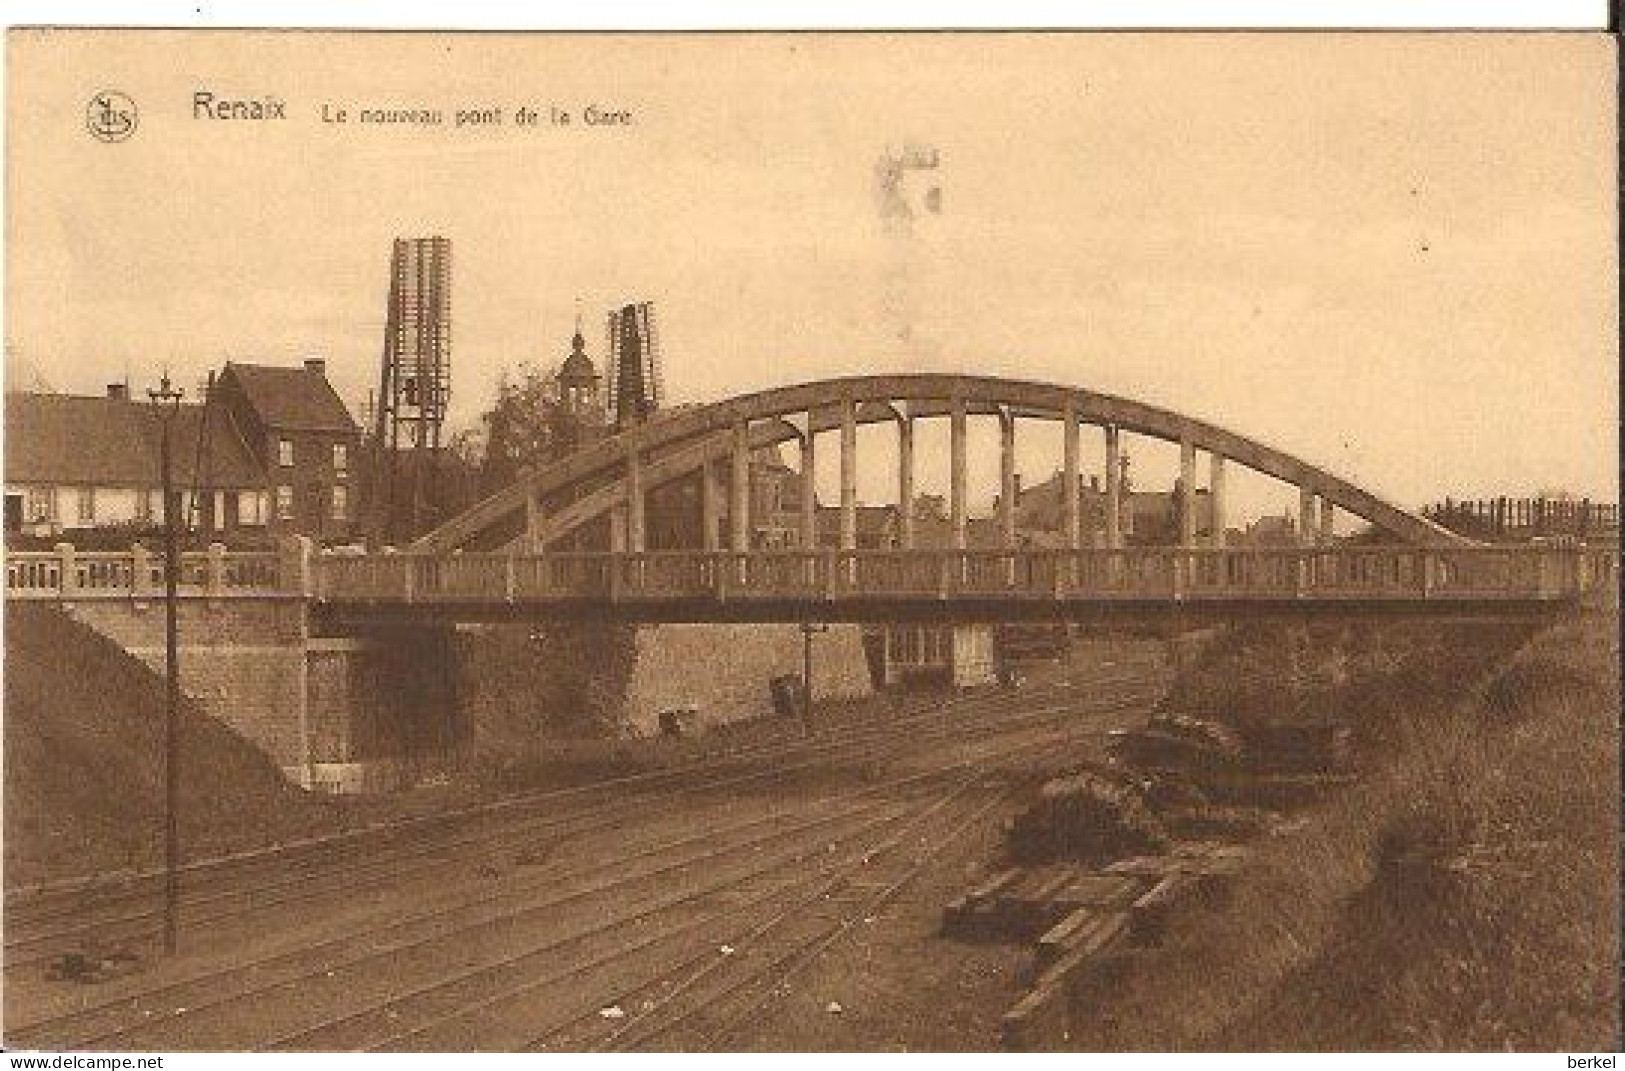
column 346, row 966
column 706, row 999
column 266, row 883
column 777, row 849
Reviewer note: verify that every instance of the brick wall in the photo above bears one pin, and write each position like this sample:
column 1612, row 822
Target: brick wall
column 724, row 669
column 243, row 662
column 345, row 714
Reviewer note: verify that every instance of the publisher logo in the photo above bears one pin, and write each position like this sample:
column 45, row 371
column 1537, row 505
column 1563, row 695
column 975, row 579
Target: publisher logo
column 110, row 116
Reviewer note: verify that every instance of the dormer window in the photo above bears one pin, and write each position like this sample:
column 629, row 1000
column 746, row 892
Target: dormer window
column 284, row 453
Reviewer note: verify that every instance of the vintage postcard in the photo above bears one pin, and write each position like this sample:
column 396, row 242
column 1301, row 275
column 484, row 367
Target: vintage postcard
column 862, row 541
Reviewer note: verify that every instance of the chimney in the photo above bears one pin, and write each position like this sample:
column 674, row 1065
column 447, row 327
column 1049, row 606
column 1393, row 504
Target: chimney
column 1015, row 488
column 318, row 365
column 119, row 391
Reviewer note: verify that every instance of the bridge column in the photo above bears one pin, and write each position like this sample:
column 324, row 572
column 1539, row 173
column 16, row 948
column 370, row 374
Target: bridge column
column 739, row 490
column 1306, row 517
column 1187, row 493
column 905, row 481
column 1114, row 477
column 710, row 514
column 1007, row 479
column 809, row 490
column 849, row 475
column 1071, row 498
column 1327, row 516
column 956, row 483
column 535, row 521
column 617, row 528
column 634, row 502
column 1215, row 499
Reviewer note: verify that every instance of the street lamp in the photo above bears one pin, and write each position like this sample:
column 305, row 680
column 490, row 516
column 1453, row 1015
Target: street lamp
column 166, row 402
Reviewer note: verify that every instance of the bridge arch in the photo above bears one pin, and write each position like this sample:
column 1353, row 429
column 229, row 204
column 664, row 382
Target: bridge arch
column 679, row 442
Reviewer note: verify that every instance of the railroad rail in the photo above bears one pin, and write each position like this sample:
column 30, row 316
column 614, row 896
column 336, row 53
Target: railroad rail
column 168, row 1009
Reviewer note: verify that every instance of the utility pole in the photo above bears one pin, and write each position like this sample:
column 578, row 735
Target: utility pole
column 808, row 630
column 166, row 401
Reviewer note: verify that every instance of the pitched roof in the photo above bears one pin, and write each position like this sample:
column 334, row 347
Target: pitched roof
column 71, row 439
column 295, row 398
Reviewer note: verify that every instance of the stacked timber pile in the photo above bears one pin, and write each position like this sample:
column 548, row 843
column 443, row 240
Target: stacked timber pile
column 1178, row 742
column 1094, row 814
column 1105, row 854
column 1020, row 903
column 1263, row 763
column 1094, row 921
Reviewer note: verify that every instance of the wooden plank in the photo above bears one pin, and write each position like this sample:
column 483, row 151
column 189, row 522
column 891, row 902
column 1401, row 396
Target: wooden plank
column 1101, row 890
column 1150, row 913
column 1151, row 866
column 1085, row 933
column 994, row 884
column 1037, row 1023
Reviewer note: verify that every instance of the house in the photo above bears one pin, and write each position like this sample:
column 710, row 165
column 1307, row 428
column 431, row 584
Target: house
column 1147, row 518
column 270, row 451
column 76, row 463
column 304, row 441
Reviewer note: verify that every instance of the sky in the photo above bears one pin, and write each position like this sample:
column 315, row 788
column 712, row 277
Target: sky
column 1392, row 255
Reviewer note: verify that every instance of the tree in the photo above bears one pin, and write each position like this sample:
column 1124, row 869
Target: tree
column 527, row 425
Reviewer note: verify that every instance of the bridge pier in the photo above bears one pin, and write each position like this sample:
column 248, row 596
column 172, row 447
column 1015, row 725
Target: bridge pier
column 1327, row 516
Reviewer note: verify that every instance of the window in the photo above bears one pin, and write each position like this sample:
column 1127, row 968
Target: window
column 341, row 458
column 284, row 503
column 341, row 503
column 87, row 505
column 143, row 505
column 250, row 508
column 284, row 453
column 41, row 503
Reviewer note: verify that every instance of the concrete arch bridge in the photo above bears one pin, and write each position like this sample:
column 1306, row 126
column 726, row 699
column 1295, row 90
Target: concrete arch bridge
column 612, row 478
column 503, row 558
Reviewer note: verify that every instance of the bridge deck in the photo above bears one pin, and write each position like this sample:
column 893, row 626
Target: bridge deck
column 860, row 585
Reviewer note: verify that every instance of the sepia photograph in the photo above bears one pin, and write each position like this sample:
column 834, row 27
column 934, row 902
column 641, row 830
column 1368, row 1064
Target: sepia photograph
column 809, row 541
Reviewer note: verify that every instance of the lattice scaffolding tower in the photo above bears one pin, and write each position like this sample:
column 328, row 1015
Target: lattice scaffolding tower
column 636, row 388
column 414, row 384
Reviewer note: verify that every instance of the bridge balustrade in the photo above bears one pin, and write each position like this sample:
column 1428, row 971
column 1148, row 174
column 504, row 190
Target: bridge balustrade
column 776, row 572
column 375, row 576
column 139, row 573
column 1133, row 574
column 33, row 575
column 1501, row 571
column 1137, row 573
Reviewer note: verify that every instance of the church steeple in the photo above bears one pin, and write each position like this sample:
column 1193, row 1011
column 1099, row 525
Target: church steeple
column 578, row 380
